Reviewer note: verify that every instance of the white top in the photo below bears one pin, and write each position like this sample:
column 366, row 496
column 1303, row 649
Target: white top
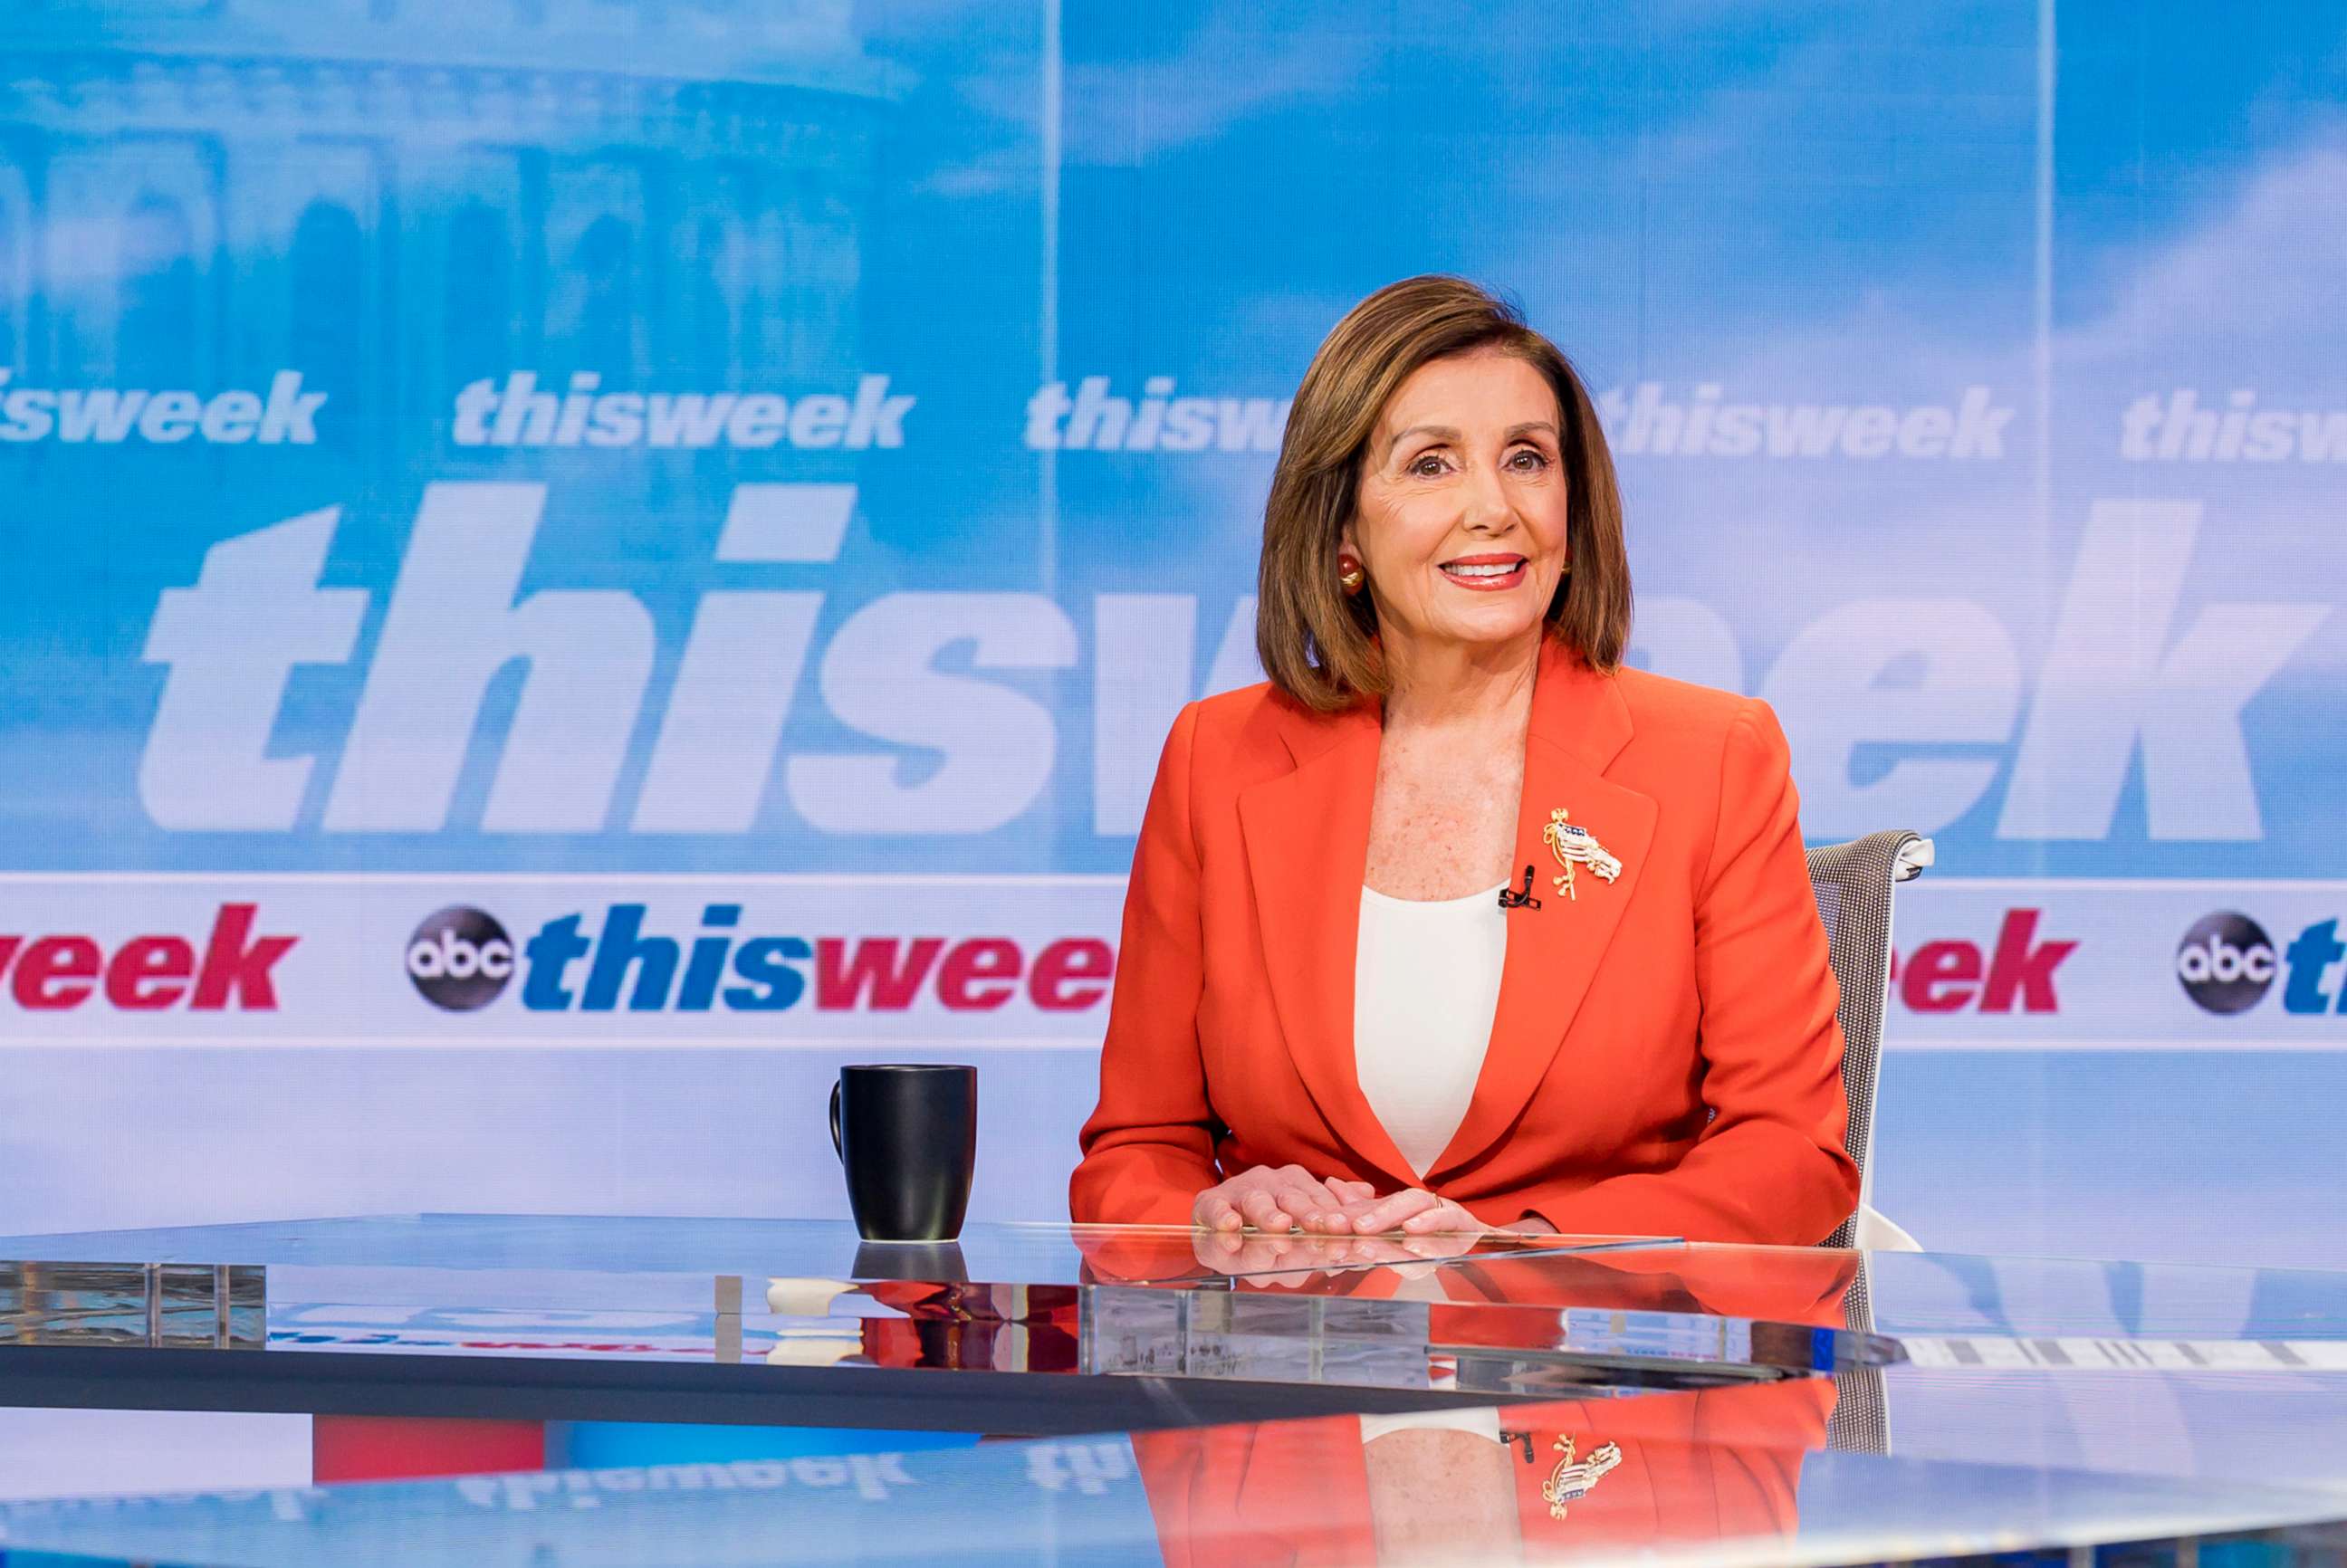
column 1425, row 982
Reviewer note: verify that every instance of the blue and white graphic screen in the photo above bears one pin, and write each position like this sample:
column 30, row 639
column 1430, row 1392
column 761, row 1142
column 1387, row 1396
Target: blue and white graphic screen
column 574, row 564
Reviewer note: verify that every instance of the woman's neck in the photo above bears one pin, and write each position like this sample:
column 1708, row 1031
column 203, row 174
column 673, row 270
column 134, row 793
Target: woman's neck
column 1461, row 685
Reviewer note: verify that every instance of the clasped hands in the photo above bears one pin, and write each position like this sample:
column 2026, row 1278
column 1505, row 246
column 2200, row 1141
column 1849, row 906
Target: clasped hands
column 1282, row 1220
column 1280, row 1200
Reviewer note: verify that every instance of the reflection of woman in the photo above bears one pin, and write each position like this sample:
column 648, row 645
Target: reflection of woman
column 1716, row 1465
column 1325, row 1018
column 1804, row 1286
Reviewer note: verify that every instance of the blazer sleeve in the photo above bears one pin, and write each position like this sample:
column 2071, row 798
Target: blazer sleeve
column 1149, row 1146
column 1770, row 1166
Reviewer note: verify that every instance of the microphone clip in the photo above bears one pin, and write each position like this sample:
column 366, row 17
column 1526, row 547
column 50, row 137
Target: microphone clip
column 1511, row 899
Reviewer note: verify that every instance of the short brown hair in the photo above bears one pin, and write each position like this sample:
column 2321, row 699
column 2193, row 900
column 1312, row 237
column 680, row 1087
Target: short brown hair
column 1313, row 639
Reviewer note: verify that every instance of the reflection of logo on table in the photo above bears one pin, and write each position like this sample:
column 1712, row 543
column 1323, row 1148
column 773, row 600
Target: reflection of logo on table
column 1571, row 1482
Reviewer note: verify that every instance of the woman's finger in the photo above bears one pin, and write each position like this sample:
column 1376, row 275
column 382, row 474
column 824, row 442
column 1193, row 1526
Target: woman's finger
column 1389, row 1214
column 1304, row 1203
column 1216, row 1213
column 1296, row 1179
column 1263, row 1211
column 1334, row 1221
column 1447, row 1218
column 1313, row 1203
column 1344, row 1196
column 1327, row 1194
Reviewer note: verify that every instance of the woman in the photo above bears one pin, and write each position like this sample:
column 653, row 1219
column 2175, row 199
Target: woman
column 1339, row 1008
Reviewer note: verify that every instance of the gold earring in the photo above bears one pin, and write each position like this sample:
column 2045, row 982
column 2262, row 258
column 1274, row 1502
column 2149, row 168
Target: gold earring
column 1349, row 575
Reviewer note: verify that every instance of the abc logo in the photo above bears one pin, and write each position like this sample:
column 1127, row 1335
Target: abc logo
column 2226, row 962
column 460, row 959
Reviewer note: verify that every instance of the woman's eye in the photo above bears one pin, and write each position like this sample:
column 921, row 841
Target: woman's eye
column 1427, row 465
column 1526, row 460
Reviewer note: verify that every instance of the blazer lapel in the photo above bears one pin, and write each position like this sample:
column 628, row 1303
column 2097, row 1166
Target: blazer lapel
column 1308, row 847
column 1579, row 723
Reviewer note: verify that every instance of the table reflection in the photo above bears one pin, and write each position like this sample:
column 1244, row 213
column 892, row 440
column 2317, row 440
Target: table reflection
column 1811, row 1286
column 1476, row 1485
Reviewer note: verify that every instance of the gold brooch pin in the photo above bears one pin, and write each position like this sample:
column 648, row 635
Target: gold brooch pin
column 1570, row 1482
column 1576, row 846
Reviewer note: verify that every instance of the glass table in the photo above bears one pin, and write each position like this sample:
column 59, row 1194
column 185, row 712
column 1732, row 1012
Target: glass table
column 1146, row 1395
column 1046, row 1330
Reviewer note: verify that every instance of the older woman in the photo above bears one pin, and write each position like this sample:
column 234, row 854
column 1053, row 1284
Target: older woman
column 1457, row 922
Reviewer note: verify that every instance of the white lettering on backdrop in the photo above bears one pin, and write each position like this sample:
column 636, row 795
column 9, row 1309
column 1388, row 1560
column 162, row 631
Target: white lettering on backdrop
column 1899, row 709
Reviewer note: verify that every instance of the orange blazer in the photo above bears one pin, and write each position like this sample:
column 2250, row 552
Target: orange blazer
column 1664, row 1059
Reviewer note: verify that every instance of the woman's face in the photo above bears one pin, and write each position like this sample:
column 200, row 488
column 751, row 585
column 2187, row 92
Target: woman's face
column 1461, row 520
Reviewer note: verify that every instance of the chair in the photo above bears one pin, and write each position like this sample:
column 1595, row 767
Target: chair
column 1853, row 885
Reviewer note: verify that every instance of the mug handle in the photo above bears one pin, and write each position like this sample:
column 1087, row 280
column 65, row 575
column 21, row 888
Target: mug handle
column 836, row 1149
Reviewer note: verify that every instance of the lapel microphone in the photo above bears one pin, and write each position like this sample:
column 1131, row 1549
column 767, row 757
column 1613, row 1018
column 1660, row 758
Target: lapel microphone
column 1511, row 899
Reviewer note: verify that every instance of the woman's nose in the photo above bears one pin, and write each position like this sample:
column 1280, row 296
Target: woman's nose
column 1487, row 508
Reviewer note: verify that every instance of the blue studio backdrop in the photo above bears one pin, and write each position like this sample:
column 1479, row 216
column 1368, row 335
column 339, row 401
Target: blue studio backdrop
column 573, row 565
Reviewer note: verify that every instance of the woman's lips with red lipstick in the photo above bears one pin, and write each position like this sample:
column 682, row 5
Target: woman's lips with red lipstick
column 1486, row 574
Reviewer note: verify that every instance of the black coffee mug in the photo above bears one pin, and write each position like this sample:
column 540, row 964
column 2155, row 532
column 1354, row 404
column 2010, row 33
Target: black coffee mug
column 928, row 1261
column 907, row 1136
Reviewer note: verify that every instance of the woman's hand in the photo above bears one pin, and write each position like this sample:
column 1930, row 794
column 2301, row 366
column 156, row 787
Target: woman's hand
column 1412, row 1212
column 1278, row 1199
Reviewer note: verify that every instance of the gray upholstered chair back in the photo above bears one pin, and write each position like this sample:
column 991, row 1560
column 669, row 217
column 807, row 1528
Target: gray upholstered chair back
column 1852, row 883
